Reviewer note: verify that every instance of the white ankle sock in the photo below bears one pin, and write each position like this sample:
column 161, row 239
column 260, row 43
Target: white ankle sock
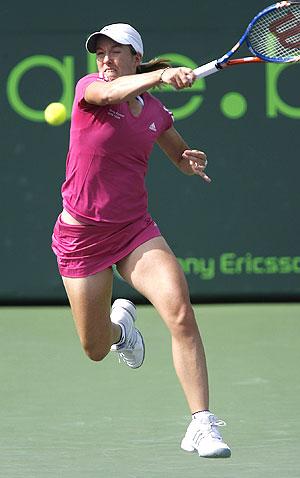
column 201, row 413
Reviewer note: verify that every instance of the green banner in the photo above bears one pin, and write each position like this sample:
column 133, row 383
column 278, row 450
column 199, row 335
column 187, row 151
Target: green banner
column 236, row 239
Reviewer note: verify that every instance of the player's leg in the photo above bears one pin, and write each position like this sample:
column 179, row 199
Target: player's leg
column 90, row 300
column 154, row 271
column 99, row 328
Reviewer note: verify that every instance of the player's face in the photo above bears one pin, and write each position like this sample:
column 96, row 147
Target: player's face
column 114, row 59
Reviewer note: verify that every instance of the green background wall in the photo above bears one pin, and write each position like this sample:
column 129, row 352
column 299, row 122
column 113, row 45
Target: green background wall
column 237, row 238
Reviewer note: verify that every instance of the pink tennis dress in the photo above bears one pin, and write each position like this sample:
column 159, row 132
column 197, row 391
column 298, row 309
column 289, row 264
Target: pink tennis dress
column 105, row 182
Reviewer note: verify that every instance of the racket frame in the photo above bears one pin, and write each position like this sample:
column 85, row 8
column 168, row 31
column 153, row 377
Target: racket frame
column 219, row 64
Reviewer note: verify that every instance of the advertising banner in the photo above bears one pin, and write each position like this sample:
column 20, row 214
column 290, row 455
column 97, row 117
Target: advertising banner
column 236, row 238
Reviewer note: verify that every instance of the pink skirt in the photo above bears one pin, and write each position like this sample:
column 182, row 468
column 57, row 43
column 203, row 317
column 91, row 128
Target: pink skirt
column 83, row 250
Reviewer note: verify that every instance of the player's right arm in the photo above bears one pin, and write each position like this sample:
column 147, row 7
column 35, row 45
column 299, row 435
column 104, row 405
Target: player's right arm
column 127, row 87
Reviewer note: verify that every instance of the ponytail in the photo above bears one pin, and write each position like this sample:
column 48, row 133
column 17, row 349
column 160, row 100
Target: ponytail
column 152, row 65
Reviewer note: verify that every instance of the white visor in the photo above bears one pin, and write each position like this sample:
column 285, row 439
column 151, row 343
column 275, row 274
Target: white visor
column 119, row 32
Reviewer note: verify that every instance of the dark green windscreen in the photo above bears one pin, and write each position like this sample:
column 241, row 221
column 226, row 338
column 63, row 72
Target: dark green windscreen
column 236, row 238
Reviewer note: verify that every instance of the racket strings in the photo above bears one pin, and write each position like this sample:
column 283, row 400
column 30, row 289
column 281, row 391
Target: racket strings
column 276, row 35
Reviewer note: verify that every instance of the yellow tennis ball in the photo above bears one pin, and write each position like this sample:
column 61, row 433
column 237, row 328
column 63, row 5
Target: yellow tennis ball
column 55, row 114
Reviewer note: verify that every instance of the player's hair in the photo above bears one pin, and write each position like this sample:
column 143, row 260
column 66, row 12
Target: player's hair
column 152, row 65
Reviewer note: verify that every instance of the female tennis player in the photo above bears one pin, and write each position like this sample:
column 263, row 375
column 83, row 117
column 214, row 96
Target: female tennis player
column 105, row 221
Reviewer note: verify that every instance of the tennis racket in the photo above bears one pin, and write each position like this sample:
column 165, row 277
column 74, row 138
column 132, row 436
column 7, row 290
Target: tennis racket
column 272, row 36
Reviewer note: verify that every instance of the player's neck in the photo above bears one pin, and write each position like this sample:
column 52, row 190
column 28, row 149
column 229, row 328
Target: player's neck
column 136, row 106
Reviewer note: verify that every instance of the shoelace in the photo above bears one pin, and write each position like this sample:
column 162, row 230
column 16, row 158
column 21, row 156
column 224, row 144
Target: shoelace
column 130, row 343
column 219, row 423
column 209, row 429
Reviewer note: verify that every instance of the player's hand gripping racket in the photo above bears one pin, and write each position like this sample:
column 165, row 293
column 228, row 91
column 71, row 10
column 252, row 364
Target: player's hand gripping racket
column 272, row 36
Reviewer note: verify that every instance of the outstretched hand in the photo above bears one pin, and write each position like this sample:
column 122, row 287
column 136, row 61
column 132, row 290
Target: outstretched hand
column 197, row 162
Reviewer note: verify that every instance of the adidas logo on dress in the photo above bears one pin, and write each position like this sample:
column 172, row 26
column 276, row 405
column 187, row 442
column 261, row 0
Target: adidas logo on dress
column 152, row 127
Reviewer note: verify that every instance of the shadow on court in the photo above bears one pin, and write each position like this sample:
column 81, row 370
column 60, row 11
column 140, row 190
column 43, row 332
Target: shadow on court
column 66, row 417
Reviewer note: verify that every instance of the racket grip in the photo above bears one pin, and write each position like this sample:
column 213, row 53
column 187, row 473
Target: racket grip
column 207, row 69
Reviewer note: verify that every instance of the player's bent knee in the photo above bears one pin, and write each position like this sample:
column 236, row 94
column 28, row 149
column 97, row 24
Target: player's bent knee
column 183, row 323
column 184, row 328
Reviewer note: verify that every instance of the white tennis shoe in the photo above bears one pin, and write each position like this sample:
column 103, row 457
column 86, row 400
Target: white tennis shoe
column 203, row 436
column 132, row 350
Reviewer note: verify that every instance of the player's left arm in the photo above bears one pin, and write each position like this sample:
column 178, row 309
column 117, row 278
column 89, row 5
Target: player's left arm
column 189, row 161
